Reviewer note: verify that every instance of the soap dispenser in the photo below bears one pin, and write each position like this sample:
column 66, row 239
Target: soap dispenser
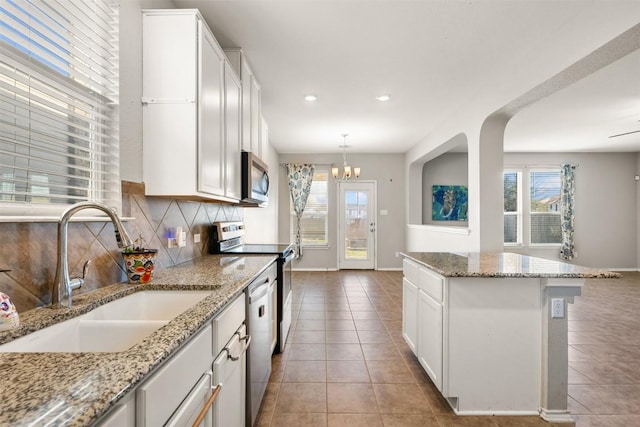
column 8, row 314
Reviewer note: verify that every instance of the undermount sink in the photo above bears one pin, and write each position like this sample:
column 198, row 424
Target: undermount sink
column 148, row 305
column 112, row 327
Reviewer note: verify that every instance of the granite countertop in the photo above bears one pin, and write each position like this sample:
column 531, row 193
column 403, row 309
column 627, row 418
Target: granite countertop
column 76, row 389
column 503, row 264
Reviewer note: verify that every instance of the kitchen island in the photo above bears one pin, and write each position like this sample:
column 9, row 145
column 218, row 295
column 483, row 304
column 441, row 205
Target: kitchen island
column 79, row 389
column 490, row 329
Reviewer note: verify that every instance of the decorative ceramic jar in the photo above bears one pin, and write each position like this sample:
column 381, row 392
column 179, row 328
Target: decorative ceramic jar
column 8, row 314
column 140, row 265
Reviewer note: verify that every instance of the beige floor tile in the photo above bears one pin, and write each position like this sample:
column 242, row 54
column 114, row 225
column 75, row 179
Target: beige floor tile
column 387, row 373
column 299, row 420
column 374, row 337
column 410, row 420
column 311, row 307
column 338, row 315
column 311, row 315
column 310, row 325
column 365, row 315
column 339, row 325
column 347, row 371
column 453, row 421
column 600, row 373
column 302, row 397
column 351, row 398
column 342, row 337
column 369, row 325
column 401, row 399
column 355, row 420
column 380, row 352
column 344, row 352
column 307, row 352
column 608, row 399
column 526, row 421
column 307, row 337
column 301, row 371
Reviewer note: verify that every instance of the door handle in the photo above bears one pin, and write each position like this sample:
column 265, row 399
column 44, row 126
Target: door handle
column 372, row 229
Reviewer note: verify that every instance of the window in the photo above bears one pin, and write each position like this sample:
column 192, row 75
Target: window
column 512, row 207
column 58, row 105
column 314, row 224
column 544, row 198
column 540, row 223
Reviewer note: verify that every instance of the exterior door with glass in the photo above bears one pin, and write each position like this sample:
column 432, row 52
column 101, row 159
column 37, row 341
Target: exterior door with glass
column 357, row 225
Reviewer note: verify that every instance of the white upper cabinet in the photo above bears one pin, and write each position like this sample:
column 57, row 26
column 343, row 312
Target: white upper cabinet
column 233, row 132
column 252, row 121
column 191, row 109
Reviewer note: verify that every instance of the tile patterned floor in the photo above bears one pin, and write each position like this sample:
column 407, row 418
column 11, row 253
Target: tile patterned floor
column 347, row 364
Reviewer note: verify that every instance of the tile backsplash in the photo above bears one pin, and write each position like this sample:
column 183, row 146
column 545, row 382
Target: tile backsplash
column 30, row 249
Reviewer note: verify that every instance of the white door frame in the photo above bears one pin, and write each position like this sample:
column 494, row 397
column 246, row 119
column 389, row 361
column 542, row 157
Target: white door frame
column 340, row 230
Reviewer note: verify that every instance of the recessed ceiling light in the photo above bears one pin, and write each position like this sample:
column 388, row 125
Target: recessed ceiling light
column 383, row 98
column 310, row 98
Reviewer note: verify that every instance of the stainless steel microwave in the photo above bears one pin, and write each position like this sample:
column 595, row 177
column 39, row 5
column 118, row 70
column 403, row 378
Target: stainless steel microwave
column 255, row 179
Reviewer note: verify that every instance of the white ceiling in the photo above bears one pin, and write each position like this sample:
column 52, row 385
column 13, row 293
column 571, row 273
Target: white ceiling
column 429, row 56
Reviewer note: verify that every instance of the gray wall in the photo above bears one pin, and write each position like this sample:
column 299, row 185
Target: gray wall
column 606, row 233
column 447, row 169
column 388, row 171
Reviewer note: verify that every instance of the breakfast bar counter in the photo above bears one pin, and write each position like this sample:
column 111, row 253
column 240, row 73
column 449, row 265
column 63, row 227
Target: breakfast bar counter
column 490, row 329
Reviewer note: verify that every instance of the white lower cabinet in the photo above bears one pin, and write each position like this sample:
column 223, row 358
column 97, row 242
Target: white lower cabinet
column 423, row 318
column 430, row 337
column 410, row 314
column 159, row 397
column 229, row 373
column 182, row 390
column 191, row 408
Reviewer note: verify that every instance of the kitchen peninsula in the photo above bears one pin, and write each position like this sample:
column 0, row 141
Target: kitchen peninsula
column 490, row 329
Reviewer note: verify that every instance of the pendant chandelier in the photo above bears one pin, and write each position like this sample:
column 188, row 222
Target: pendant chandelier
column 346, row 169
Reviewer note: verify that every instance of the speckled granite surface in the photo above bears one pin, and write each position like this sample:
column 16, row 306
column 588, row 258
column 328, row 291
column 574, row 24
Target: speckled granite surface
column 502, row 264
column 75, row 389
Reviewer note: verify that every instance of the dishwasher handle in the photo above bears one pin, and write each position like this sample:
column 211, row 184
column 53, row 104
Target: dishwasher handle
column 255, row 293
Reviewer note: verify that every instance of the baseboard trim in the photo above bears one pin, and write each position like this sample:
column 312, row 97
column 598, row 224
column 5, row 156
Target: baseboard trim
column 556, row 416
column 390, row 269
column 315, row 269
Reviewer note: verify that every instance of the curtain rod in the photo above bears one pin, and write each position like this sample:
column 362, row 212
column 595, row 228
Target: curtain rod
column 315, row 164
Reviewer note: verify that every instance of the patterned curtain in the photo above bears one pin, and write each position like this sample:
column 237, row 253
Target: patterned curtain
column 567, row 212
column 300, row 178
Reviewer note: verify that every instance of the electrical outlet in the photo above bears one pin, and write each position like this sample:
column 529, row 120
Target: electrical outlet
column 557, row 308
column 196, row 238
column 397, row 254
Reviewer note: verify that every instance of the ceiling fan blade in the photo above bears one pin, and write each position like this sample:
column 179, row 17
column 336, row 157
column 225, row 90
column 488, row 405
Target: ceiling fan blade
column 626, row 133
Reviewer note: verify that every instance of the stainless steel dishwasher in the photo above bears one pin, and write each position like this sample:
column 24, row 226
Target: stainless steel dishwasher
column 259, row 325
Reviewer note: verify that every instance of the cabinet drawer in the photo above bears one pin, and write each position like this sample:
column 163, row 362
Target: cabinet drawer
column 431, row 284
column 159, row 397
column 410, row 270
column 193, row 404
column 227, row 322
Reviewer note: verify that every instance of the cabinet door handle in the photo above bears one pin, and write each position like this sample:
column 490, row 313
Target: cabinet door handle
column 207, row 405
column 234, row 358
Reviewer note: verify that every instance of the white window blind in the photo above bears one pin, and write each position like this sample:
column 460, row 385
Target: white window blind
column 58, row 105
column 314, row 223
column 544, row 197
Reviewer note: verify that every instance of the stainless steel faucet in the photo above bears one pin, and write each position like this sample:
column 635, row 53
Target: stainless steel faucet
column 63, row 284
